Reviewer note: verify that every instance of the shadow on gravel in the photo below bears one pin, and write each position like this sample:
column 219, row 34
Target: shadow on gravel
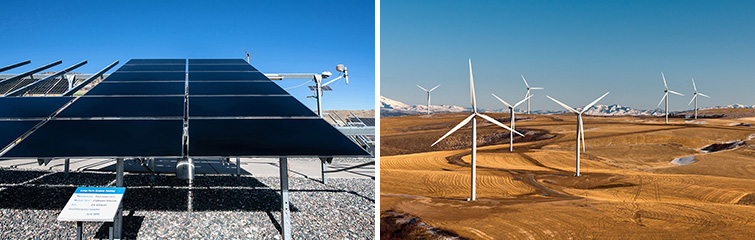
column 131, row 226
column 35, row 197
column 15, row 177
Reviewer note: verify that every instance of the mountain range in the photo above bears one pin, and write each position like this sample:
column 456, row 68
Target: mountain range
column 392, row 108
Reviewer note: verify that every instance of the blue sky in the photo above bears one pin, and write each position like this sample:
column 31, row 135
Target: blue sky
column 288, row 36
column 577, row 50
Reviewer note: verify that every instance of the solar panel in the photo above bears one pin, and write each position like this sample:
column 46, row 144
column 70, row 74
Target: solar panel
column 147, row 76
column 228, row 106
column 30, row 107
column 234, row 88
column 217, row 61
column 157, row 61
column 268, row 137
column 11, row 130
column 227, row 76
column 216, row 68
column 153, row 68
column 110, row 107
column 138, row 88
column 102, row 138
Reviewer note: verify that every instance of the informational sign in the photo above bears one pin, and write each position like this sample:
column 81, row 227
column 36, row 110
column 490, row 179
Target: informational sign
column 93, row 204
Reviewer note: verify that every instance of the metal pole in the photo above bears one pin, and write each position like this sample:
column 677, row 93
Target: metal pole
column 318, row 80
column 79, row 228
column 474, row 158
column 118, row 221
column 285, row 211
column 238, row 168
column 666, row 108
column 323, row 169
column 67, row 167
column 695, row 106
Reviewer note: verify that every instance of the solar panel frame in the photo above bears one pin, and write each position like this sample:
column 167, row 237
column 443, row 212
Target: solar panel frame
column 247, row 106
column 125, row 107
column 138, row 89
column 102, row 138
column 268, row 138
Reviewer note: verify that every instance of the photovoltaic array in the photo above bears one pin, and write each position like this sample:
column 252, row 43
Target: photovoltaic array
column 143, row 109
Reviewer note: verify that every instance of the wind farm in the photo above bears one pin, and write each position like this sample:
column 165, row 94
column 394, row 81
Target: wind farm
column 635, row 176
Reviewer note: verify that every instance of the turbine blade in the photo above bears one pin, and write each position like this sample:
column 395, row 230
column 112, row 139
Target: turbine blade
column 704, row 95
column 536, row 88
column 664, row 81
column 593, row 102
column 676, row 93
column 693, row 85
column 525, row 82
column 422, row 88
column 664, row 97
column 563, row 105
column 471, row 87
column 693, row 99
column 461, row 124
column 492, row 120
column 520, row 102
column 504, row 102
column 434, row 88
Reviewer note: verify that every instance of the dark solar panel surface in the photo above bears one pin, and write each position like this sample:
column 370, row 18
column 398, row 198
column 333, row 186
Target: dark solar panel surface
column 157, row 61
column 234, row 88
column 147, row 76
column 217, row 61
column 102, row 138
column 11, row 130
column 216, row 68
column 30, row 107
column 226, row 76
column 89, row 107
column 138, row 88
column 152, row 68
column 247, row 106
column 268, row 137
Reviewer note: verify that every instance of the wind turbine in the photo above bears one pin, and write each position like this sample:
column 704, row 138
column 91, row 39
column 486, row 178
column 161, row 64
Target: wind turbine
column 694, row 98
column 580, row 128
column 473, row 118
column 528, row 92
column 511, row 109
column 248, row 54
column 665, row 95
column 428, row 96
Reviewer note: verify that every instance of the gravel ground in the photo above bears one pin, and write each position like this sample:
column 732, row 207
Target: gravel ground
column 222, row 207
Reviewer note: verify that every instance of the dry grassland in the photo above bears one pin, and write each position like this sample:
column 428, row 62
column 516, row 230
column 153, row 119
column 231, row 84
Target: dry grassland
column 629, row 188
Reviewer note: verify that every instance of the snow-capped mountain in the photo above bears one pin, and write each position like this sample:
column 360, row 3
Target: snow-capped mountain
column 392, row 108
column 618, row 110
column 731, row 106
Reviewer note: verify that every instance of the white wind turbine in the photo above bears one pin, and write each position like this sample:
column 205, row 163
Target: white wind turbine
column 511, row 110
column 528, row 92
column 428, row 96
column 580, row 128
column 248, row 54
column 694, row 98
column 473, row 118
column 665, row 95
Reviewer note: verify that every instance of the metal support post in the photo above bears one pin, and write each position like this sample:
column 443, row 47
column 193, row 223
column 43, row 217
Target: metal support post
column 318, row 80
column 324, row 168
column 110, row 232
column 118, row 221
column 152, row 166
column 79, row 229
column 238, row 168
column 285, row 211
column 67, row 167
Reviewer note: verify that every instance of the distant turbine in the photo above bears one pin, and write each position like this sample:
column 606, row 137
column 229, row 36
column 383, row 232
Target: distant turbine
column 694, row 98
column 428, row 96
column 665, row 95
column 580, row 128
column 248, row 54
column 511, row 109
column 473, row 118
column 528, row 92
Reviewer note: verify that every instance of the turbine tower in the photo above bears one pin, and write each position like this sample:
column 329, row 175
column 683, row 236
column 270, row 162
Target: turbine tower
column 511, row 110
column 580, row 128
column 528, row 92
column 665, row 95
column 428, row 96
column 694, row 98
column 473, row 118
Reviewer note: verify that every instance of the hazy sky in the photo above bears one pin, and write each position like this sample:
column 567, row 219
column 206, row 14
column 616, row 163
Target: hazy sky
column 288, row 36
column 576, row 50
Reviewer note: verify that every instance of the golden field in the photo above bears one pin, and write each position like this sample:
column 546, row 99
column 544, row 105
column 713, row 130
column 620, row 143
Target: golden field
column 629, row 188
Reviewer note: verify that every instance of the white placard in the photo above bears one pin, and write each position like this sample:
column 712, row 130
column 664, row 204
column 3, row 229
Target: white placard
column 93, row 204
